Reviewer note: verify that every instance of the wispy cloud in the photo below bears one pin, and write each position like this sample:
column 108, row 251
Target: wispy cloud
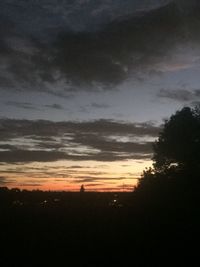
column 181, row 95
column 23, row 105
column 2, row 180
column 99, row 105
column 51, row 141
column 55, row 106
column 6, row 181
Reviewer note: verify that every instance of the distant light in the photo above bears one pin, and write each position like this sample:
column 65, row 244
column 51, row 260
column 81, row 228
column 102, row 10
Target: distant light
column 44, row 202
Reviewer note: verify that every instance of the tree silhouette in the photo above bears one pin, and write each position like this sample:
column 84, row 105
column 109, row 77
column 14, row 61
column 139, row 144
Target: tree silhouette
column 178, row 144
column 176, row 158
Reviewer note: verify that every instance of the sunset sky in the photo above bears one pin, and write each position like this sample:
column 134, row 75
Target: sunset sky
column 86, row 84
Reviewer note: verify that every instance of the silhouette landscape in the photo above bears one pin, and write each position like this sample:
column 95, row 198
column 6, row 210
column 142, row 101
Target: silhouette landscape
column 160, row 216
column 99, row 133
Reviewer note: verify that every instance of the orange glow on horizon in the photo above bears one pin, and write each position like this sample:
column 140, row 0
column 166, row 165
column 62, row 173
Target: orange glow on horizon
column 119, row 176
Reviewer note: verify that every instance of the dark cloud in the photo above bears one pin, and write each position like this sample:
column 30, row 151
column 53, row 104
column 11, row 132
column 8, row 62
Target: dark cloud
column 52, row 16
column 181, row 95
column 116, row 48
column 130, row 46
column 29, row 156
column 48, row 156
column 49, row 145
column 96, row 140
column 23, row 105
column 55, row 106
column 97, row 179
column 30, row 184
column 47, row 129
column 97, row 105
column 102, row 143
column 94, row 105
column 197, row 92
column 178, row 95
column 85, row 172
column 7, row 147
column 110, row 55
column 43, row 138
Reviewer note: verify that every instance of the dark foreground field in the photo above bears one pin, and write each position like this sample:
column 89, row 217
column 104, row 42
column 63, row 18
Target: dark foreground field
column 94, row 229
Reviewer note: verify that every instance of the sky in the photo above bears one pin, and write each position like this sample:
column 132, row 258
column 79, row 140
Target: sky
column 85, row 86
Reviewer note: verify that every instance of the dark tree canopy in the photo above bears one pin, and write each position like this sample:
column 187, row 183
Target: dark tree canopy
column 179, row 142
column 176, row 158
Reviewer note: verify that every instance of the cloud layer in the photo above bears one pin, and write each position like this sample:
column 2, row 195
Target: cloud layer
column 101, row 140
column 65, row 58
